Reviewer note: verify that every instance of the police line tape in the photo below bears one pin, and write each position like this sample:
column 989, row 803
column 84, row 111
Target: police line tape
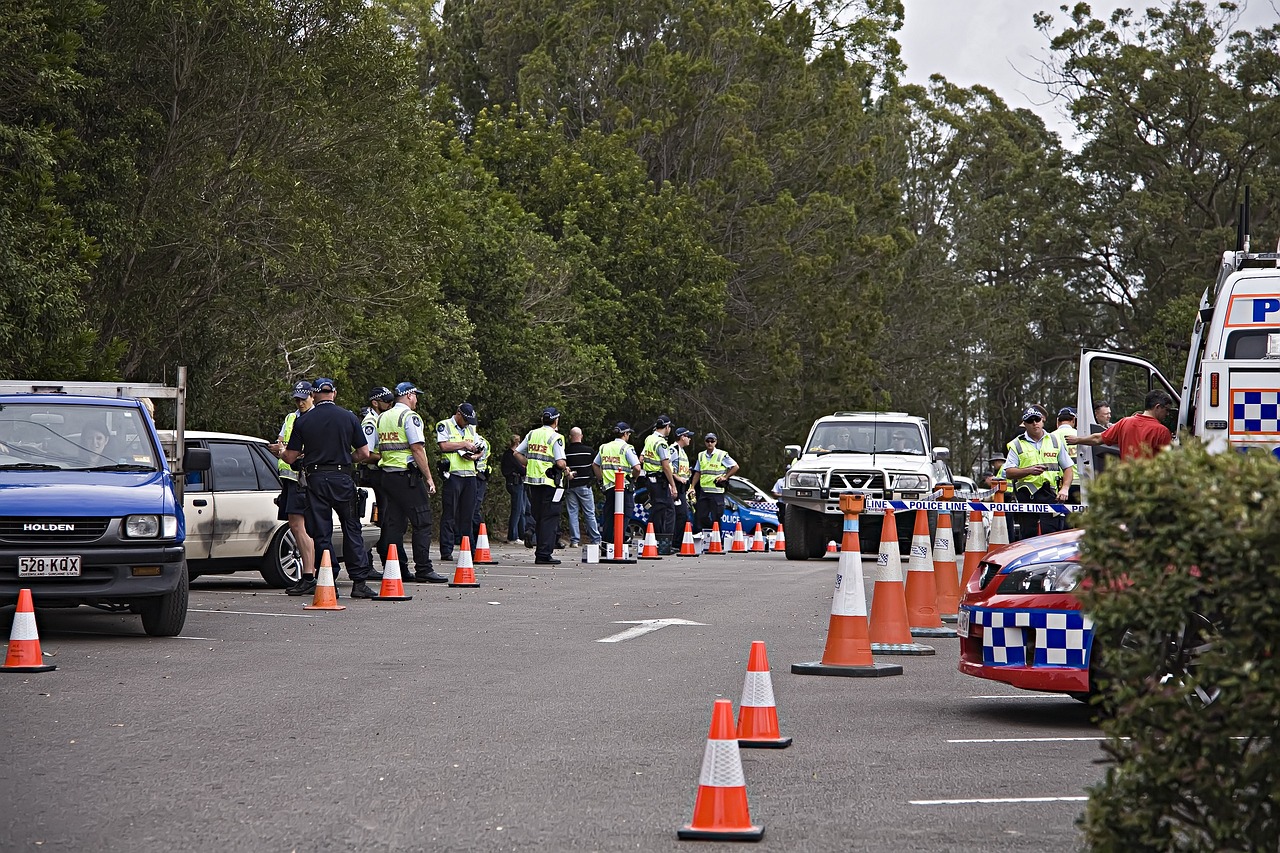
column 874, row 504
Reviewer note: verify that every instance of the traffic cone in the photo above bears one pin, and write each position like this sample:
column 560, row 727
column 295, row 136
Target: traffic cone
column 392, row 588
column 975, row 546
column 686, row 545
column 24, row 653
column 326, row 597
column 650, row 549
column 714, row 545
column 463, row 573
column 999, row 539
column 848, row 649
column 922, row 590
column 889, row 631
column 780, row 541
column 946, row 576
column 739, row 541
column 757, row 712
column 720, row 812
column 483, row 556
column 832, row 549
column 757, row 541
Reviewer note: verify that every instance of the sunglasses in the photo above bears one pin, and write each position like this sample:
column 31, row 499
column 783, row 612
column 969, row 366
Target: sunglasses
column 711, row 441
column 1033, row 420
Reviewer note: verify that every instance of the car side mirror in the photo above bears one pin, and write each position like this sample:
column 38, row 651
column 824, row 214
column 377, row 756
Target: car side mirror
column 792, row 451
column 942, row 454
column 196, row 459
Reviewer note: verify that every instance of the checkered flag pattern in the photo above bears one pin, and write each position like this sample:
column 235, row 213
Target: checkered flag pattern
column 1255, row 411
column 1055, row 637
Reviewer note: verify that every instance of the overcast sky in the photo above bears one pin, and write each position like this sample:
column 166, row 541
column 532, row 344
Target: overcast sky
column 994, row 43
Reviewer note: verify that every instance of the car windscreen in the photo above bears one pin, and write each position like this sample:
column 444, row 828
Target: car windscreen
column 867, row 437
column 69, row 437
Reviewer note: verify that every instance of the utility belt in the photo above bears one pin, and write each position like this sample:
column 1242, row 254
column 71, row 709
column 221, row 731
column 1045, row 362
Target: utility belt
column 313, row 469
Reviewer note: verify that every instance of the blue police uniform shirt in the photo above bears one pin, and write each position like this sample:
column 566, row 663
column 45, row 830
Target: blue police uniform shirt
column 326, row 434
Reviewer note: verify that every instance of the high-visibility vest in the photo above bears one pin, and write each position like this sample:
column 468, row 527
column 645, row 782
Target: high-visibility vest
column 540, row 454
column 286, row 470
column 458, row 465
column 712, row 465
column 1046, row 454
column 613, row 458
column 1062, row 432
column 655, row 450
column 393, row 441
column 682, row 465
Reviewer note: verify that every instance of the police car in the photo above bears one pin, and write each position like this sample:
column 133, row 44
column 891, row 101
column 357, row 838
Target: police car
column 744, row 502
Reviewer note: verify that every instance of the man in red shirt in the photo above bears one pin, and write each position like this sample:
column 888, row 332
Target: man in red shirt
column 1139, row 436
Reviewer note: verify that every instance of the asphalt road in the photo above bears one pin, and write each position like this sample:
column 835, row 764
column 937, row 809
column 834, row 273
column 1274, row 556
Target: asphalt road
column 492, row 719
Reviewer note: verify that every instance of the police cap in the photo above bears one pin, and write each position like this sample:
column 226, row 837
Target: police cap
column 406, row 388
column 621, row 428
column 662, row 421
column 324, row 386
column 468, row 412
column 301, row 389
column 550, row 414
column 381, row 394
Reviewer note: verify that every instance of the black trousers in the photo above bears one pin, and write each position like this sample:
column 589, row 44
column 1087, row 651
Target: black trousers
column 1034, row 523
column 606, row 519
column 458, row 506
column 406, row 505
column 710, row 509
column 662, row 507
column 546, row 518
column 329, row 492
column 482, row 487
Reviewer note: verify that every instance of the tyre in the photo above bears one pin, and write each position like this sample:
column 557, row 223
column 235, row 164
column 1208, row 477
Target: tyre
column 804, row 533
column 164, row 616
column 282, row 564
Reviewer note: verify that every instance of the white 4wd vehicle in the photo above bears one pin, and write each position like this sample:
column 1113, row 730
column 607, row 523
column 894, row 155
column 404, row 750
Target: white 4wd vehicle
column 883, row 455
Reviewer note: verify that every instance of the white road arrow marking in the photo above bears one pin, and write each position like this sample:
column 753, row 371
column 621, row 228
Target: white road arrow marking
column 643, row 626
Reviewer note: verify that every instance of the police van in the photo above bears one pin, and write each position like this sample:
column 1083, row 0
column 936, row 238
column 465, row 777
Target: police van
column 1230, row 394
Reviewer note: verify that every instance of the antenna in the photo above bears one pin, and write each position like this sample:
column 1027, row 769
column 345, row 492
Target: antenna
column 1245, row 218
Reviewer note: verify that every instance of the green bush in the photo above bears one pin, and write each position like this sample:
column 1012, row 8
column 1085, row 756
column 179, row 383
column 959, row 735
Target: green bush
column 1192, row 752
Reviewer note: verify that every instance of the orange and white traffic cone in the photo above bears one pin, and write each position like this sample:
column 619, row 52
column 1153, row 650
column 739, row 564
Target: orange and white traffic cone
column 757, row 541
column 687, row 548
column 720, row 812
column 848, row 649
column 890, row 631
column 975, row 546
column 649, row 551
column 463, row 573
column 392, row 588
column 999, row 538
column 946, row 576
column 780, row 541
column 758, row 712
column 714, row 545
column 739, row 541
column 922, row 590
column 483, row 556
column 24, row 653
column 326, row 597
column 832, row 549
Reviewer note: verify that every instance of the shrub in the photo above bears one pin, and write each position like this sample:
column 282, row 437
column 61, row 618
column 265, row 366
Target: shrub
column 1192, row 750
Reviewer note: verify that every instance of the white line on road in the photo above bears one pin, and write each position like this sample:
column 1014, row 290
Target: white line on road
column 996, row 801
column 1020, row 696
column 254, row 613
column 1026, row 739
column 643, row 626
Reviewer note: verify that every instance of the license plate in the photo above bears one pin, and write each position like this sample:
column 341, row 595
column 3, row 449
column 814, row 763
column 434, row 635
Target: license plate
column 49, row 567
column 962, row 622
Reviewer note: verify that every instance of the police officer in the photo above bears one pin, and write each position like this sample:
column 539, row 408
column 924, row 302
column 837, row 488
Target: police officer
column 660, row 478
column 408, row 485
column 482, row 486
column 542, row 452
column 368, row 474
column 713, row 469
column 1041, row 472
column 333, row 442
column 614, row 456
column 456, row 437
column 680, row 465
column 293, row 501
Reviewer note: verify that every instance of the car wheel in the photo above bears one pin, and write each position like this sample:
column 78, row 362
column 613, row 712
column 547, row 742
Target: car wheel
column 164, row 615
column 1178, row 661
column 804, row 533
column 282, row 564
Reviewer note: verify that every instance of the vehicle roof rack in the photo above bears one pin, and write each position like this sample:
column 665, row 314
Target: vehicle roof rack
column 122, row 390
column 894, row 414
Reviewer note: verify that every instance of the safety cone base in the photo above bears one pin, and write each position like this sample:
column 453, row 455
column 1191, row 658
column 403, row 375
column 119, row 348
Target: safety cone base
column 382, row 597
column 471, row 585
column 688, row 833
column 486, row 562
column 615, row 560
column 950, row 617
column 44, row 667
column 654, row 557
column 902, row 649
column 875, row 670
column 324, row 607
column 771, row 743
column 934, row 632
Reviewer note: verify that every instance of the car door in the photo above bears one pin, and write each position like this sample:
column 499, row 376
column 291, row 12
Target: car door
column 243, row 493
column 197, row 506
column 1122, row 381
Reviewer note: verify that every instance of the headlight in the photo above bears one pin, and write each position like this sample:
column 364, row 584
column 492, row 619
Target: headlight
column 150, row 526
column 804, row 480
column 911, row 483
column 1047, row 577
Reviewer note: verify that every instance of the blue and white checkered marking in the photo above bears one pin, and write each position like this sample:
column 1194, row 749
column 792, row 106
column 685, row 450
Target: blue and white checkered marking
column 1255, row 411
column 1061, row 638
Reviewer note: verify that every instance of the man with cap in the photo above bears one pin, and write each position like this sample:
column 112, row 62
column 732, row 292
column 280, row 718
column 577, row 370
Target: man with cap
column 293, row 501
column 1041, row 471
column 1067, row 427
column 660, row 478
column 614, row 456
column 332, row 441
column 407, row 483
column 542, row 453
column 578, row 494
column 713, row 469
column 680, row 466
column 457, row 439
column 368, row 474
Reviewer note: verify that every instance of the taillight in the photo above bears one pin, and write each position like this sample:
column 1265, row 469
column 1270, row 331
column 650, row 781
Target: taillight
column 1213, row 389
